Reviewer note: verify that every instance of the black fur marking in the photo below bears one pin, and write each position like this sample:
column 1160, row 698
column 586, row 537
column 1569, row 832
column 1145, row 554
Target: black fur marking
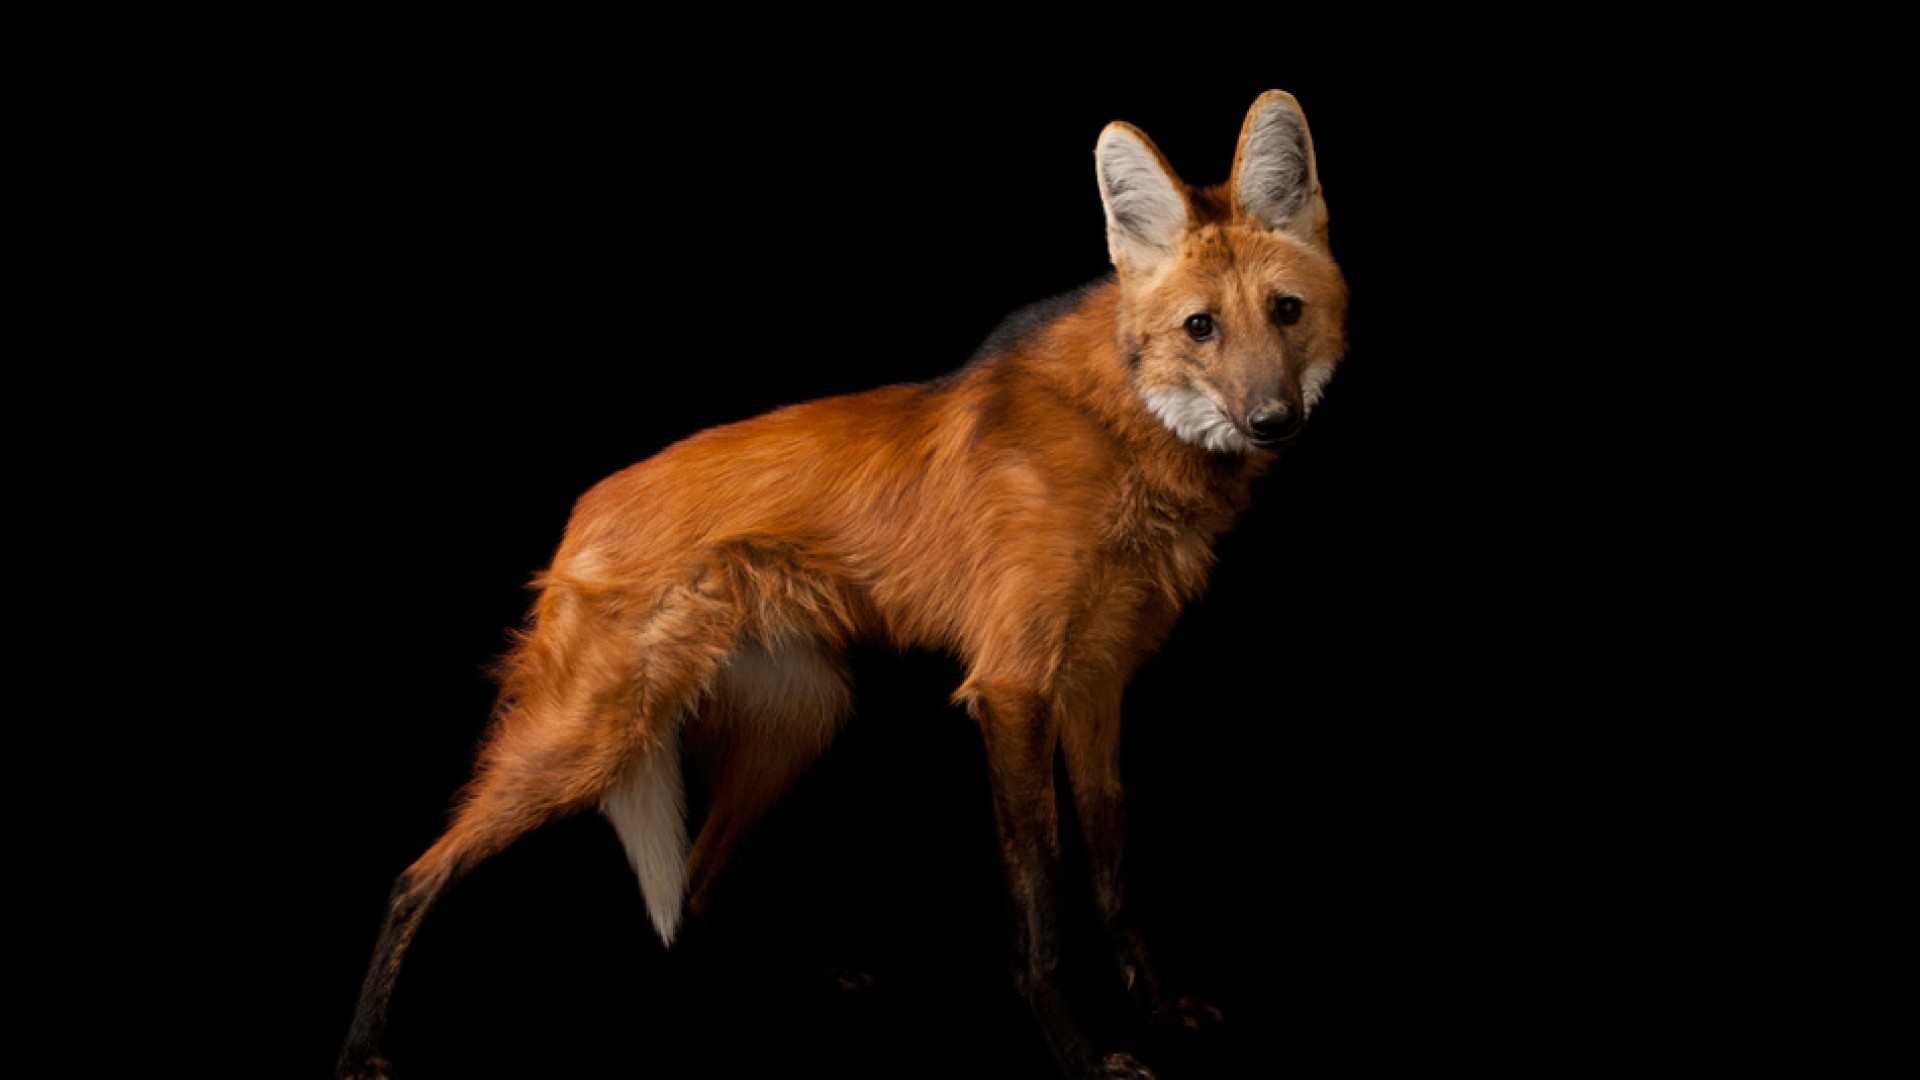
column 1024, row 323
column 990, row 411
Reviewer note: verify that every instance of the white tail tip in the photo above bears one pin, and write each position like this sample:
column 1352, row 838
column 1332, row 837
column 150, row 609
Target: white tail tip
column 649, row 811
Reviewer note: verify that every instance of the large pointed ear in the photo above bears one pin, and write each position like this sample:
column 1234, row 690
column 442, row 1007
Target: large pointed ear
column 1147, row 208
column 1274, row 179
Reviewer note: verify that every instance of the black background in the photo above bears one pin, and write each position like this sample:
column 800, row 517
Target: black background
column 1386, row 809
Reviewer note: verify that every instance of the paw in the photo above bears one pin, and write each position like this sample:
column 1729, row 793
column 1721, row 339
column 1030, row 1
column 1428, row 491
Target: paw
column 1188, row 1014
column 847, row 980
column 1122, row 1067
column 372, row 1068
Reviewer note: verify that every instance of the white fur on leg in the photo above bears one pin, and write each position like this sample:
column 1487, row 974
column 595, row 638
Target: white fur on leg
column 649, row 811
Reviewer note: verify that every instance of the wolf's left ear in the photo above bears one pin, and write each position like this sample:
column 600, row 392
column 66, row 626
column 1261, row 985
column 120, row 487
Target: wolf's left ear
column 1274, row 180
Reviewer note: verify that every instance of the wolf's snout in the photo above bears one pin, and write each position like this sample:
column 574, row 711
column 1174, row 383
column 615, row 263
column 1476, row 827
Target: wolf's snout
column 1273, row 421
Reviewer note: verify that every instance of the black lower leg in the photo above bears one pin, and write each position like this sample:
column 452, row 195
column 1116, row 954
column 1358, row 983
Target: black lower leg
column 1103, row 822
column 1020, row 750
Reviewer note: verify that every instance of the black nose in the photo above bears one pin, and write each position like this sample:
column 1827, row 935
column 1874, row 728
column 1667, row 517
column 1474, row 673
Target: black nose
column 1274, row 421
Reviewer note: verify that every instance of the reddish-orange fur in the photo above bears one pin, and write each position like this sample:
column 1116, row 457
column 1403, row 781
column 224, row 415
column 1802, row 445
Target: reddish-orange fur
column 1025, row 515
column 1028, row 515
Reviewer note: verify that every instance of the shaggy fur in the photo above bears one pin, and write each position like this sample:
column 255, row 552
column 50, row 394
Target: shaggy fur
column 1043, row 515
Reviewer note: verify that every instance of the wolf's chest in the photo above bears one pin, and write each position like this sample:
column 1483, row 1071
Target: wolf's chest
column 1163, row 539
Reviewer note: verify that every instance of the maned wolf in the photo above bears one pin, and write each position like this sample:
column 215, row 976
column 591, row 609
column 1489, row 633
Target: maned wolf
column 1042, row 515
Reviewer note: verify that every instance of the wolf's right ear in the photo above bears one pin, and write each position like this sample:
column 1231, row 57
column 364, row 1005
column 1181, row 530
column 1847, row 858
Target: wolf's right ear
column 1147, row 207
column 1274, row 179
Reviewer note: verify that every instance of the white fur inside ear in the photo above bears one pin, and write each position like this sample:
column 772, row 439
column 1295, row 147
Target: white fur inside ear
column 1146, row 214
column 1194, row 417
column 1276, row 165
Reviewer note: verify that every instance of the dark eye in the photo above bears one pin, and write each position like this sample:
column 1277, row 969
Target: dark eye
column 1200, row 327
column 1286, row 310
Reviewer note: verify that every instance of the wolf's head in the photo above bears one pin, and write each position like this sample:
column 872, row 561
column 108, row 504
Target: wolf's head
column 1233, row 311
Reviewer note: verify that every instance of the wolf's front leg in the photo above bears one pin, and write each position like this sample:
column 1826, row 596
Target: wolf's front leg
column 1021, row 738
column 1092, row 746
